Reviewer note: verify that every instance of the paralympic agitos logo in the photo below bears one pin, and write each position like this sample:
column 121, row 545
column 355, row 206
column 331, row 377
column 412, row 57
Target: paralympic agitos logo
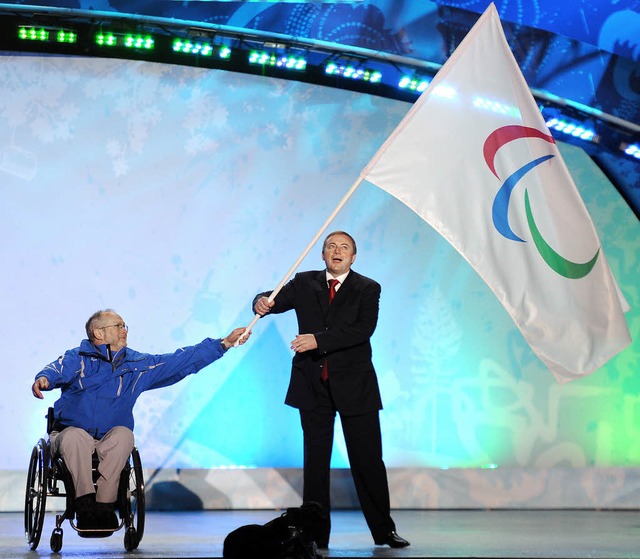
column 500, row 210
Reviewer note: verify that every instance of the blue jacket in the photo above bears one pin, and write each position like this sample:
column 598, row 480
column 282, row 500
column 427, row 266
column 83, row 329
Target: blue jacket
column 99, row 394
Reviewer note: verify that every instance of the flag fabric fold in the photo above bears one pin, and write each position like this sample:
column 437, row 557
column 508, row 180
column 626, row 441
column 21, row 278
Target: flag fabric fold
column 474, row 158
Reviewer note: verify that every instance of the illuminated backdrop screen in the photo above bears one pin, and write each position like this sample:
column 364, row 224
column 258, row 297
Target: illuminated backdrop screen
column 174, row 195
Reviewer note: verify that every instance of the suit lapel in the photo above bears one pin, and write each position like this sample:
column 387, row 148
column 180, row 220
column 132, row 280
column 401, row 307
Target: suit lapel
column 322, row 290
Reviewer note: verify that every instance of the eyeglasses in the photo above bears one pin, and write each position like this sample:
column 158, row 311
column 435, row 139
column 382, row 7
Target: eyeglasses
column 121, row 326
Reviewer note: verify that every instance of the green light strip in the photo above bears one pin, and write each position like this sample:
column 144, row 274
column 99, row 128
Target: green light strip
column 44, row 34
column 33, row 34
column 128, row 40
column 284, row 61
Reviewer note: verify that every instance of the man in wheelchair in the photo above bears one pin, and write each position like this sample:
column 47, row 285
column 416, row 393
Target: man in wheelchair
column 100, row 382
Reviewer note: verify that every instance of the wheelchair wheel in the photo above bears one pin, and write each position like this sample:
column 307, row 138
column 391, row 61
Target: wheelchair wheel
column 36, row 493
column 56, row 540
column 134, row 503
column 130, row 539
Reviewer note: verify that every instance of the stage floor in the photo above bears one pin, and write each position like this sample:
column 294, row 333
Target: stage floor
column 448, row 534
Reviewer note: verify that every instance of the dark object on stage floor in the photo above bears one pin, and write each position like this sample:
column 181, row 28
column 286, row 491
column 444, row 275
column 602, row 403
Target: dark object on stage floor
column 285, row 537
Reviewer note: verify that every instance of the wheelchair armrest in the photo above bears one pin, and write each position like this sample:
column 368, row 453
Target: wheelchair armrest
column 50, row 420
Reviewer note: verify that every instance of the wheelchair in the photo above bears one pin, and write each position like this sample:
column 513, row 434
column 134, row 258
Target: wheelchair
column 47, row 472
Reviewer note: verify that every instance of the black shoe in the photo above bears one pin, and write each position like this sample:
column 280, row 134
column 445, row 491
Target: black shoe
column 85, row 511
column 84, row 506
column 106, row 516
column 392, row 540
column 85, row 520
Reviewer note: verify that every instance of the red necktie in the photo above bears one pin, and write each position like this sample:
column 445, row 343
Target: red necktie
column 332, row 289
column 332, row 293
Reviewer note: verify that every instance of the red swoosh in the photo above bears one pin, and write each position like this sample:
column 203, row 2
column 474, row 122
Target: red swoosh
column 506, row 134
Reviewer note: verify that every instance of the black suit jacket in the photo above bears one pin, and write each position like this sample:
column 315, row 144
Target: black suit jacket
column 343, row 331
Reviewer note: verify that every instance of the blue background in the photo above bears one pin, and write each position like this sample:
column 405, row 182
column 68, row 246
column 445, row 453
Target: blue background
column 175, row 194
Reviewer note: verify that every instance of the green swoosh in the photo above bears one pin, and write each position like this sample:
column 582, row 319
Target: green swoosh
column 564, row 267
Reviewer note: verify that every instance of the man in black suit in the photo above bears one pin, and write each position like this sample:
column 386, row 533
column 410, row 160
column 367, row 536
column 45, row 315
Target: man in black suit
column 332, row 371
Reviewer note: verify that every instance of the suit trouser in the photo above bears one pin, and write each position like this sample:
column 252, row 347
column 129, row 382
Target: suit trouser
column 76, row 447
column 364, row 447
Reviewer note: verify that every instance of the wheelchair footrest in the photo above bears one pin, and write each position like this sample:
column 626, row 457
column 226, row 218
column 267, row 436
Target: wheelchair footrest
column 95, row 533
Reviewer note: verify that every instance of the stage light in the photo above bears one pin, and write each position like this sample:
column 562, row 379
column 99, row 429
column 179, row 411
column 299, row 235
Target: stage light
column 572, row 129
column 126, row 40
column 200, row 48
column 285, row 61
column 415, row 83
column 106, row 39
column 192, row 47
column 33, row 34
column 45, row 34
column 633, row 150
column 495, row 107
column 63, row 36
column 139, row 41
column 444, row 91
column 352, row 72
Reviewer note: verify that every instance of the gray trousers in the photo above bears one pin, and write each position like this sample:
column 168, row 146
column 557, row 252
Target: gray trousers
column 76, row 447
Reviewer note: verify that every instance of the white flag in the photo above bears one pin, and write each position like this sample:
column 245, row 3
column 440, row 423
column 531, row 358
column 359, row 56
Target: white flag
column 474, row 158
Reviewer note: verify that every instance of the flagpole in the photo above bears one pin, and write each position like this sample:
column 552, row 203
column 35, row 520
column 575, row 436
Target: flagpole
column 306, row 250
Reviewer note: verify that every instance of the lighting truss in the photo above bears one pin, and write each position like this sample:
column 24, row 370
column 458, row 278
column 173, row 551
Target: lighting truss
column 115, row 35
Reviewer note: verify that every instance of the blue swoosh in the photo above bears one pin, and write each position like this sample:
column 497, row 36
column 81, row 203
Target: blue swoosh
column 500, row 209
